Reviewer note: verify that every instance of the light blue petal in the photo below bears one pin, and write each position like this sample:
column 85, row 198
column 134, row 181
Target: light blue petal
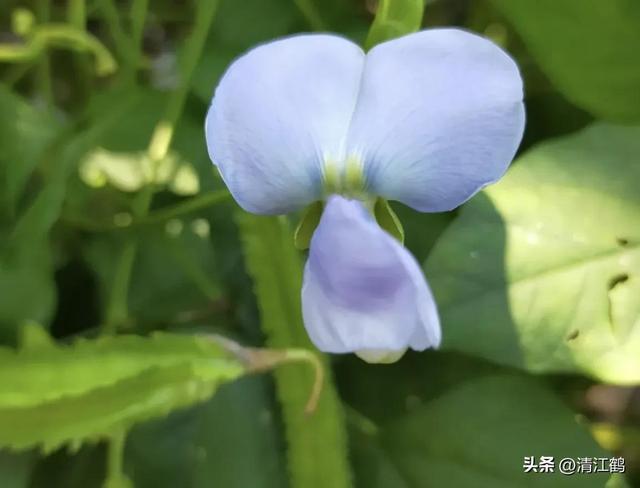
column 439, row 116
column 278, row 111
column 362, row 290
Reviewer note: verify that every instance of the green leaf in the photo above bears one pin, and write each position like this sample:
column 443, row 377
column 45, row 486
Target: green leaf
column 421, row 231
column 317, row 452
column 15, row 469
column 372, row 466
column 27, row 290
column 387, row 219
column 541, row 271
column 52, row 394
column 99, row 413
column 37, row 220
column 28, row 379
column 25, row 132
column 307, row 225
column 253, row 21
column 588, row 48
column 395, row 18
column 176, row 273
column 26, row 281
column 444, row 443
column 462, row 421
column 231, row 440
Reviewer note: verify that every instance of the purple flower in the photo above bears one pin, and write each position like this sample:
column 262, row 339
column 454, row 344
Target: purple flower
column 427, row 119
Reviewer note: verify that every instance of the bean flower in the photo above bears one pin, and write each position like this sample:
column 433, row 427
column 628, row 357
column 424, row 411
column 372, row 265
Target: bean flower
column 427, row 119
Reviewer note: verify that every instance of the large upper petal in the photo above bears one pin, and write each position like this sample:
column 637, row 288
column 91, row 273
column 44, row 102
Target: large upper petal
column 439, row 116
column 362, row 290
column 277, row 113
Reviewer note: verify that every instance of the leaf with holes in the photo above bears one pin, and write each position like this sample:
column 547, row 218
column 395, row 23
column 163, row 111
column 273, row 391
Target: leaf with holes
column 541, row 271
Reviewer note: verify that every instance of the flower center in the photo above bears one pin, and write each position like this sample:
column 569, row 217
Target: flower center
column 344, row 177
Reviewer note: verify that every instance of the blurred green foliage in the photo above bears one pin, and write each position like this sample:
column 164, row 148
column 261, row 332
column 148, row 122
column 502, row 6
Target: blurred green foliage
column 395, row 18
column 601, row 41
column 118, row 237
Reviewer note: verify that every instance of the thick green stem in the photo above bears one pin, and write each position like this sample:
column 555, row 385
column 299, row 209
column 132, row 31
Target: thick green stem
column 77, row 13
column 317, row 447
column 115, row 455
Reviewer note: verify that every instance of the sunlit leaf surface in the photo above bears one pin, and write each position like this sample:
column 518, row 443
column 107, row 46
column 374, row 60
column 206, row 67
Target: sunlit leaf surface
column 542, row 270
column 51, row 394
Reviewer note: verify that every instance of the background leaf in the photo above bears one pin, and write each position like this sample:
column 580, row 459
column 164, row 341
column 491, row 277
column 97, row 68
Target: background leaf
column 429, row 445
column 588, row 48
column 174, row 277
column 231, row 440
column 25, row 132
column 539, row 272
column 15, row 469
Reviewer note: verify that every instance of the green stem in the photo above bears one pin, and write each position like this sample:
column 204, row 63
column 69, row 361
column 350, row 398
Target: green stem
column 157, row 150
column 117, row 310
column 77, row 17
column 59, row 35
column 123, row 44
column 317, row 448
column 312, row 359
column 194, row 204
column 80, row 40
column 77, row 14
column 138, row 14
column 115, row 456
column 43, row 74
